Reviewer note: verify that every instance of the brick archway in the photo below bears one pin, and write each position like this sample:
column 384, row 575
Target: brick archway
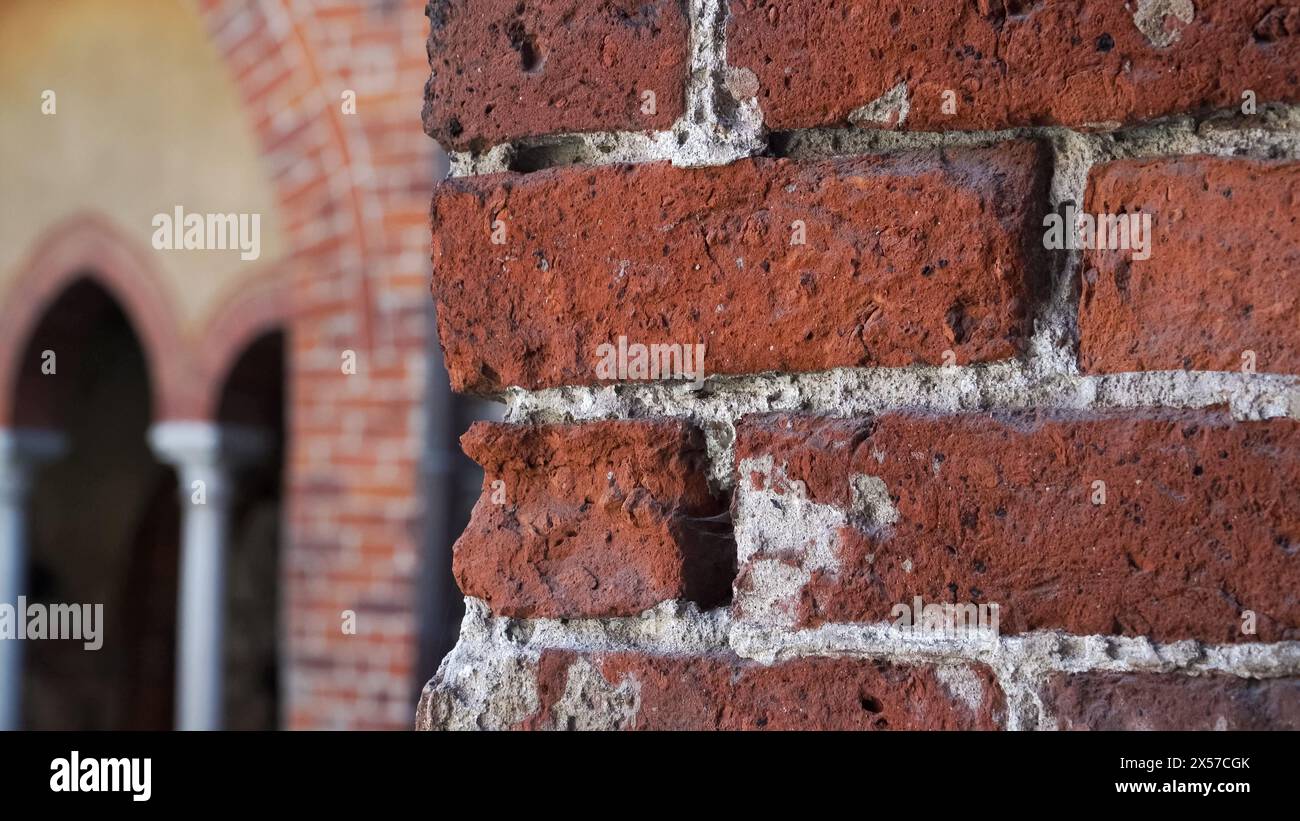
column 317, row 158
column 352, row 194
column 250, row 312
column 318, row 162
column 89, row 246
column 352, row 198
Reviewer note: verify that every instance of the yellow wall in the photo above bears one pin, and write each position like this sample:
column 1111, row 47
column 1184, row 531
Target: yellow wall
column 148, row 118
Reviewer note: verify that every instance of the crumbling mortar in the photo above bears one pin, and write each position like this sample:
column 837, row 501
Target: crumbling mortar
column 710, row 133
column 1014, row 385
column 1046, row 375
column 487, row 680
column 1021, row 663
column 721, row 122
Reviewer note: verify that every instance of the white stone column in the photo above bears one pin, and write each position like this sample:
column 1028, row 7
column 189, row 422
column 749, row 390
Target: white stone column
column 207, row 458
column 22, row 452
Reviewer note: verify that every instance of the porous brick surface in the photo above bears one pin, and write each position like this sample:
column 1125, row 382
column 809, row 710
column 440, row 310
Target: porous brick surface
column 1013, row 62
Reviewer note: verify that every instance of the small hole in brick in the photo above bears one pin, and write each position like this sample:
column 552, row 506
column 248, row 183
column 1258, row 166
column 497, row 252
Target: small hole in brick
column 529, row 59
column 958, row 323
column 529, row 158
column 1105, row 43
column 779, row 143
column 870, row 703
column 530, row 56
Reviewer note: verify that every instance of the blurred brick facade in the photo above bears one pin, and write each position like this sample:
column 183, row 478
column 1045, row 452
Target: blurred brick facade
column 353, row 189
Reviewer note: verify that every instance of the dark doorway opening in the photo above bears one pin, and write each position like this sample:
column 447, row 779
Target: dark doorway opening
column 253, row 396
column 103, row 522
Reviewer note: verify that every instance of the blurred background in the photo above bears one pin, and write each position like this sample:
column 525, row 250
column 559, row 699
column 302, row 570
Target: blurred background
column 304, row 389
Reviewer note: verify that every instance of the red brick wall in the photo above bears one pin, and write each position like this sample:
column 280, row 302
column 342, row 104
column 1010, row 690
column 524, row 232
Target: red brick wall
column 353, row 187
column 912, row 395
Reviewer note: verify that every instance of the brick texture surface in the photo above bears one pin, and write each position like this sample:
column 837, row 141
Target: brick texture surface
column 503, row 69
column 1013, row 62
column 901, row 259
column 725, row 693
column 806, row 233
column 1200, row 520
column 1223, row 276
column 1140, row 701
column 605, row 519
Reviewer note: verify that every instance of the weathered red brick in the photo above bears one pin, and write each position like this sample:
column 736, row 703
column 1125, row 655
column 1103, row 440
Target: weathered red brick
column 1223, row 275
column 723, row 692
column 1147, row 701
column 1013, row 62
column 1200, row 522
column 503, row 70
column 599, row 519
column 905, row 257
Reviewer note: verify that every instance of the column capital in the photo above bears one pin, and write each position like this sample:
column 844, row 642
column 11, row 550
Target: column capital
column 209, row 443
column 208, row 451
column 22, row 451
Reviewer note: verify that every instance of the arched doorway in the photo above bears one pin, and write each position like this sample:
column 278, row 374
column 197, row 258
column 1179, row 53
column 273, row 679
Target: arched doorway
column 103, row 521
column 253, row 397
